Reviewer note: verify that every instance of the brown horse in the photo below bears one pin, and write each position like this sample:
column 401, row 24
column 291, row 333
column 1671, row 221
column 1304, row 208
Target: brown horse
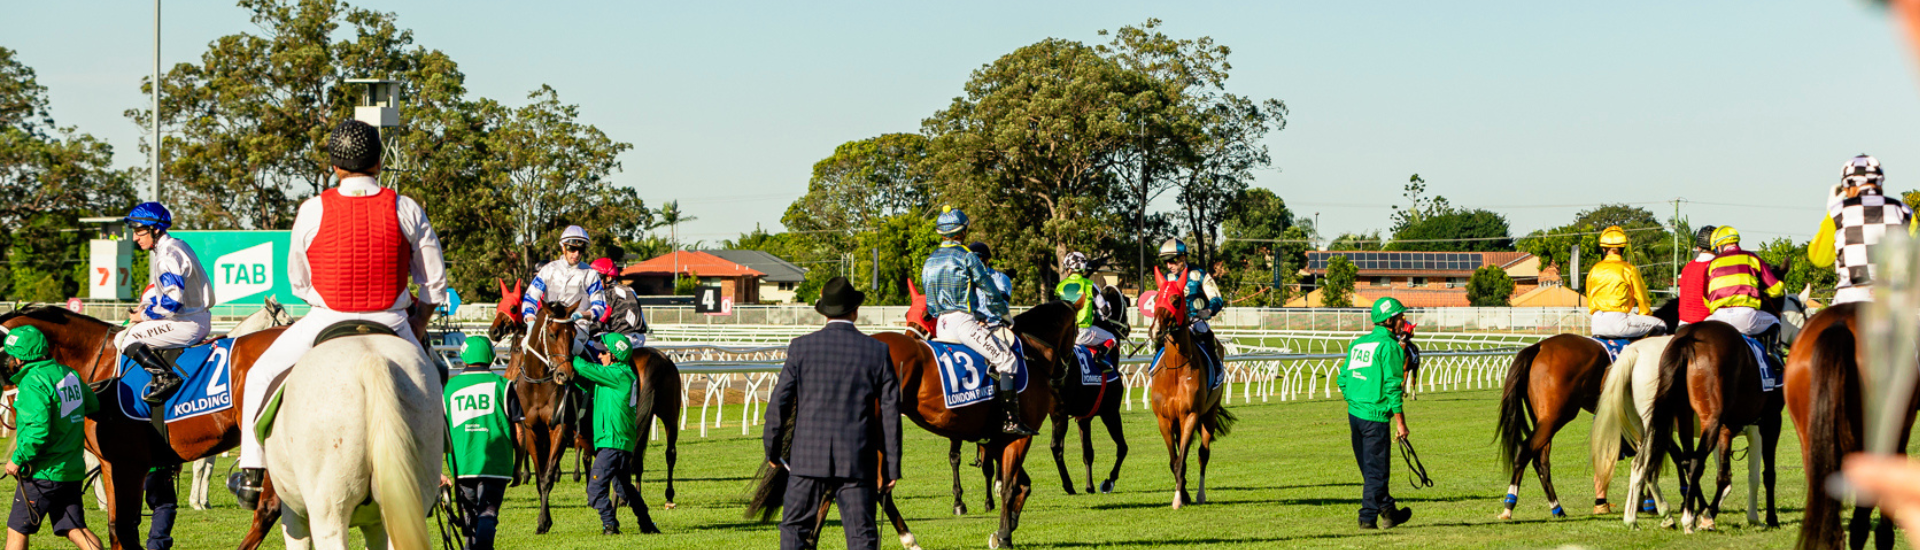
column 1184, row 403
column 539, row 365
column 1047, row 331
column 1823, row 393
column 1547, row 386
column 128, row 448
column 1709, row 371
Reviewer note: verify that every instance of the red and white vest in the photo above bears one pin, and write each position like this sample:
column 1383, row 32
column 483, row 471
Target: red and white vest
column 359, row 257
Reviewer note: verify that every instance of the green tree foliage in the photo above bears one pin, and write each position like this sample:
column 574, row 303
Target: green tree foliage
column 862, row 182
column 1911, row 198
column 904, row 241
column 1651, row 243
column 1457, row 230
column 1800, row 271
column 1356, row 241
column 1337, row 289
column 1423, row 207
column 1247, row 262
column 687, row 285
column 1489, row 287
column 554, row 172
column 50, row 176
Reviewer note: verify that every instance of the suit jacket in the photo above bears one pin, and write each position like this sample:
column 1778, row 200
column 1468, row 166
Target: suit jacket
column 831, row 384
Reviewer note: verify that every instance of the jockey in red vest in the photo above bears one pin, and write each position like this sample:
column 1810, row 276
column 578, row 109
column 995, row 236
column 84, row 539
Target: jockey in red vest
column 1693, row 279
column 353, row 249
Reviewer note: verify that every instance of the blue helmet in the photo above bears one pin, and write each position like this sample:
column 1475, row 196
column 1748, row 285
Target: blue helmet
column 951, row 221
column 149, row 214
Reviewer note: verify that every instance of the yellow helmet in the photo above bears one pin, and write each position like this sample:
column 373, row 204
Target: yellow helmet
column 1613, row 237
column 1725, row 235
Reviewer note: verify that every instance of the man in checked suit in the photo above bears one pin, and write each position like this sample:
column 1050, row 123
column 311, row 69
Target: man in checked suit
column 839, row 389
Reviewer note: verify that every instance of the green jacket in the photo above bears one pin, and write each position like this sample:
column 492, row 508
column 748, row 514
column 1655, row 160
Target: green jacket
column 614, row 426
column 1370, row 379
column 51, row 408
column 1084, row 317
column 478, row 425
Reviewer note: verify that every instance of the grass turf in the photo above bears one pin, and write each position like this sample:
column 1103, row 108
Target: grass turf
column 1284, row 478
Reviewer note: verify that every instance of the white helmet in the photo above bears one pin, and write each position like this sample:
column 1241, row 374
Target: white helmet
column 1173, row 248
column 1075, row 262
column 573, row 234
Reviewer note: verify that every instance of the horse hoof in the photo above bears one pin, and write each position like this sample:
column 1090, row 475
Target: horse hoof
column 542, row 528
column 1106, row 486
column 668, row 506
column 908, row 542
column 1666, row 523
column 1506, row 514
column 993, row 540
column 959, row 509
column 1070, row 490
column 1706, row 524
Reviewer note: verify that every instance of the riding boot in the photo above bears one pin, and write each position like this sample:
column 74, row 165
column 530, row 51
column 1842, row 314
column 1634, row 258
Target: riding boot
column 246, row 486
column 1010, row 402
column 165, row 382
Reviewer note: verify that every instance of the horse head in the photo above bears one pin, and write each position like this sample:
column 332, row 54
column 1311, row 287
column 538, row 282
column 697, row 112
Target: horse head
column 507, row 325
column 550, row 342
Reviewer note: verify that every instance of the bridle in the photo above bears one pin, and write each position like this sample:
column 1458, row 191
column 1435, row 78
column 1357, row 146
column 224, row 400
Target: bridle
column 551, row 360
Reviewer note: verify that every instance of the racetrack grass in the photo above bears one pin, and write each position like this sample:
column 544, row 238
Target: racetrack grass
column 1285, row 478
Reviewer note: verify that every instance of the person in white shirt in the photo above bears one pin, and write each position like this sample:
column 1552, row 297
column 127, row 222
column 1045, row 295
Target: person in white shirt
column 568, row 280
column 353, row 249
column 173, row 310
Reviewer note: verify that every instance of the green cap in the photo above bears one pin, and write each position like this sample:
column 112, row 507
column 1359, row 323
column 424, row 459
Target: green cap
column 26, row 343
column 1386, row 308
column 618, row 345
column 477, row 350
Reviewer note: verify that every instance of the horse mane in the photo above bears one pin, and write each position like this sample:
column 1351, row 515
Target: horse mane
column 50, row 314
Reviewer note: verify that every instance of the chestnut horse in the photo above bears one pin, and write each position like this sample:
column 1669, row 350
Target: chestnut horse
column 1047, row 331
column 1823, row 393
column 1183, row 401
column 1709, row 371
column 542, row 357
column 128, row 448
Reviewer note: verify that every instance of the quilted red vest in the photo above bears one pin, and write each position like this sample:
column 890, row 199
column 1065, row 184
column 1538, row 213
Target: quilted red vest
column 359, row 257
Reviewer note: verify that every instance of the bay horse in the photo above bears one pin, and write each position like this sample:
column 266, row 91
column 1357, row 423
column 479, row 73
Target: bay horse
column 1709, row 371
column 1823, row 392
column 541, row 360
column 1547, row 385
column 1081, row 403
column 1047, row 332
column 128, row 448
column 1183, row 402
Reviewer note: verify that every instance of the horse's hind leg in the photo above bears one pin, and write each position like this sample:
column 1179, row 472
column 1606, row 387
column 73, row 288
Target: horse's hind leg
column 295, row 529
column 1111, row 418
column 672, row 454
column 899, row 523
column 1723, row 479
column 1058, row 447
column 989, row 466
column 1544, row 467
column 1520, row 463
column 1086, row 449
column 953, row 457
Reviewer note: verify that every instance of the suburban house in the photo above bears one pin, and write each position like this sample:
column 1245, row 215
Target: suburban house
column 1436, row 279
column 654, row 277
column 781, row 276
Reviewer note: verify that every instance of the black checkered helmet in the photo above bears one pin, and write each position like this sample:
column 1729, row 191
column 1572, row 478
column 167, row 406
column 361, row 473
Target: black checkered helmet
column 1862, row 170
column 354, row 146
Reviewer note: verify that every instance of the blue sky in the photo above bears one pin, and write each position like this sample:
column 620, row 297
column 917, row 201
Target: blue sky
column 1533, row 109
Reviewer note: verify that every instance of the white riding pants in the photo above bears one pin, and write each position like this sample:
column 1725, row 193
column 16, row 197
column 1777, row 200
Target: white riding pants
column 960, row 326
column 178, row 332
column 287, row 350
column 1620, row 324
column 1852, row 294
column 1748, row 321
column 1093, row 336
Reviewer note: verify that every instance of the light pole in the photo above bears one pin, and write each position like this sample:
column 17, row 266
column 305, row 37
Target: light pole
column 153, row 186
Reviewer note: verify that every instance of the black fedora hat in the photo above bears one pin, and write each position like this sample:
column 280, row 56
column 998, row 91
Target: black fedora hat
column 838, row 298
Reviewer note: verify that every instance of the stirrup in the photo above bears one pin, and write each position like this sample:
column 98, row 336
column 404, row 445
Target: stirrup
column 162, row 388
column 246, row 486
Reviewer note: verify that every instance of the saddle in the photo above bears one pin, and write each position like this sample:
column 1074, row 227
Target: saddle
column 207, row 388
column 1614, row 346
column 263, row 426
column 352, row 328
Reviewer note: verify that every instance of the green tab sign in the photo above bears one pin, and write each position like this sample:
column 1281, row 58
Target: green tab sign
column 244, row 266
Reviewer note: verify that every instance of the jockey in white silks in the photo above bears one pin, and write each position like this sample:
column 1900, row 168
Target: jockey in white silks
column 173, row 310
column 352, row 251
column 568, row 280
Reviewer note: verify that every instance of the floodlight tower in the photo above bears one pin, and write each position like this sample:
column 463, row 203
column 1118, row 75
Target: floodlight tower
column 379, row 105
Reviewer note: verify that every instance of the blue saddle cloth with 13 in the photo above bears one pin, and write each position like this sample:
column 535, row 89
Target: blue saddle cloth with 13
column 963, row 373
column 208, row 388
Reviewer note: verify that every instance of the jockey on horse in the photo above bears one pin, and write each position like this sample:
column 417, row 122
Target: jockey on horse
column 1859, row 215
column 623, row 306
column 352, row 250
column 1615, row 288
column 569, row 280
column 173, row 311
column 1738, row 281
column 1202, row 297
column 969, row 309
column 1085, row 295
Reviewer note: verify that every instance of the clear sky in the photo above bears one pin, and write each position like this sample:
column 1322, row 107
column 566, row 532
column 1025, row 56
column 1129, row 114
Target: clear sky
column 1534, row 109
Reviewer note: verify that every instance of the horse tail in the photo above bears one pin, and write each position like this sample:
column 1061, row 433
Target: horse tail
column 1516, row 421
column 1614, row 417
column 391, row 450
column 1669, row 398
column 1220, row 421
column 767, row 494
column 1832, row 430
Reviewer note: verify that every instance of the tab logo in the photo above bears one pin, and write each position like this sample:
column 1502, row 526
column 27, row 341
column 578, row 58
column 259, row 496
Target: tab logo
column 243, row 273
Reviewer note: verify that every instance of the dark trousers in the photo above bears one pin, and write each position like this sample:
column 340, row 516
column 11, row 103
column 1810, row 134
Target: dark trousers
column 162, row 498
column 481, row 496
column 800, row 521
column 1371, row 444
column 613, row 471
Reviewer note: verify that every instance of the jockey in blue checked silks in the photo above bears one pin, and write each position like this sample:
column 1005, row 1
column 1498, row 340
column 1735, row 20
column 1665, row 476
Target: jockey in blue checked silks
column 569, row 280
column 969, row 309
column 1202, row 295
column 173, row 310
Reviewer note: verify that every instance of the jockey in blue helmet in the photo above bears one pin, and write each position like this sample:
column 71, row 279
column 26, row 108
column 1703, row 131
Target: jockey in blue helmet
column 955, row 278
column 173, row 310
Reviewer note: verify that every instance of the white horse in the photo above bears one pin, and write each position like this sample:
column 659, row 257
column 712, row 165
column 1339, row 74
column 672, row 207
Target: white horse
column 358, row 443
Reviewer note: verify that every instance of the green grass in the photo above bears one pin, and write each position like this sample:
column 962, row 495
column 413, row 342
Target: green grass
column 1284, row 478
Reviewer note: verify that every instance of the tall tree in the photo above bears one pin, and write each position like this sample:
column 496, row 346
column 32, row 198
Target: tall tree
column 555, row 172
column 862, row 182
column 1337, row 289
column 1455, row 230
column 1489, row 287
column 1356, row 241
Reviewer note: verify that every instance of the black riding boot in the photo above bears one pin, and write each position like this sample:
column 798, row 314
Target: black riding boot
column 1010, row 402
column 165, row 382
column 246, row 486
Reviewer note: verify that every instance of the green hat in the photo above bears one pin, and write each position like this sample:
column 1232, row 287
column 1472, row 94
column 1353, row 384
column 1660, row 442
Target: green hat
column 26, row 343
column 477, row 350
column 618, row 345
column 1386, row 308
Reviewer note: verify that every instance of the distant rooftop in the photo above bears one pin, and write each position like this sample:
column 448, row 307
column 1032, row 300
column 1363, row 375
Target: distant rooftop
column 777, row 269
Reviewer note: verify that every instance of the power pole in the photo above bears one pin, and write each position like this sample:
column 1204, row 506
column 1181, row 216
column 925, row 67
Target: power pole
column 1675, row 259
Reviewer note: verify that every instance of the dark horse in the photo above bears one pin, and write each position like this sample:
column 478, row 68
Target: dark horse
column 541, row 360
column 1047, row 330
column 1082, row 403
column 1547, row 386
column 659, row 396
column 1183, row 401
column 1823, row 392
column 1708, row 371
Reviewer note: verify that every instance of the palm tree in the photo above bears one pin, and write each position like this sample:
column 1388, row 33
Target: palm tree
column 672, row 216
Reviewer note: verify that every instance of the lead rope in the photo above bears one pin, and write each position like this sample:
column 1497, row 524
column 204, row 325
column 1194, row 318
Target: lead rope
column 1414, row 465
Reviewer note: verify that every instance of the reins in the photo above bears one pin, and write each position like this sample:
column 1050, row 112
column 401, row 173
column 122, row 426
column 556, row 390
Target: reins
column 527, row 346
column 1419, row 470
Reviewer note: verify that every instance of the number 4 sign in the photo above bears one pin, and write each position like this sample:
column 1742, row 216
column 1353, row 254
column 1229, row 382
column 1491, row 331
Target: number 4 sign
column 710, row 302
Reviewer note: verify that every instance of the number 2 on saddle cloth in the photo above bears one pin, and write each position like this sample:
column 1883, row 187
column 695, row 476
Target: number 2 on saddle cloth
column 208, row 388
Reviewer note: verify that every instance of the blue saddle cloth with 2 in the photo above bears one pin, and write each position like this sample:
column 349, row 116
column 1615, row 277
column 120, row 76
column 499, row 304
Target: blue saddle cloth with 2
column 1093, row 367
column 208, row 388
column 964, row 373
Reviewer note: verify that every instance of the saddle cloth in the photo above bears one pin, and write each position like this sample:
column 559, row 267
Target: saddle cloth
column 1614, row 345
column 208, row 388
column 963, row 373
column 1093, row 367
column 1769, row 372
column 1216, row 372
